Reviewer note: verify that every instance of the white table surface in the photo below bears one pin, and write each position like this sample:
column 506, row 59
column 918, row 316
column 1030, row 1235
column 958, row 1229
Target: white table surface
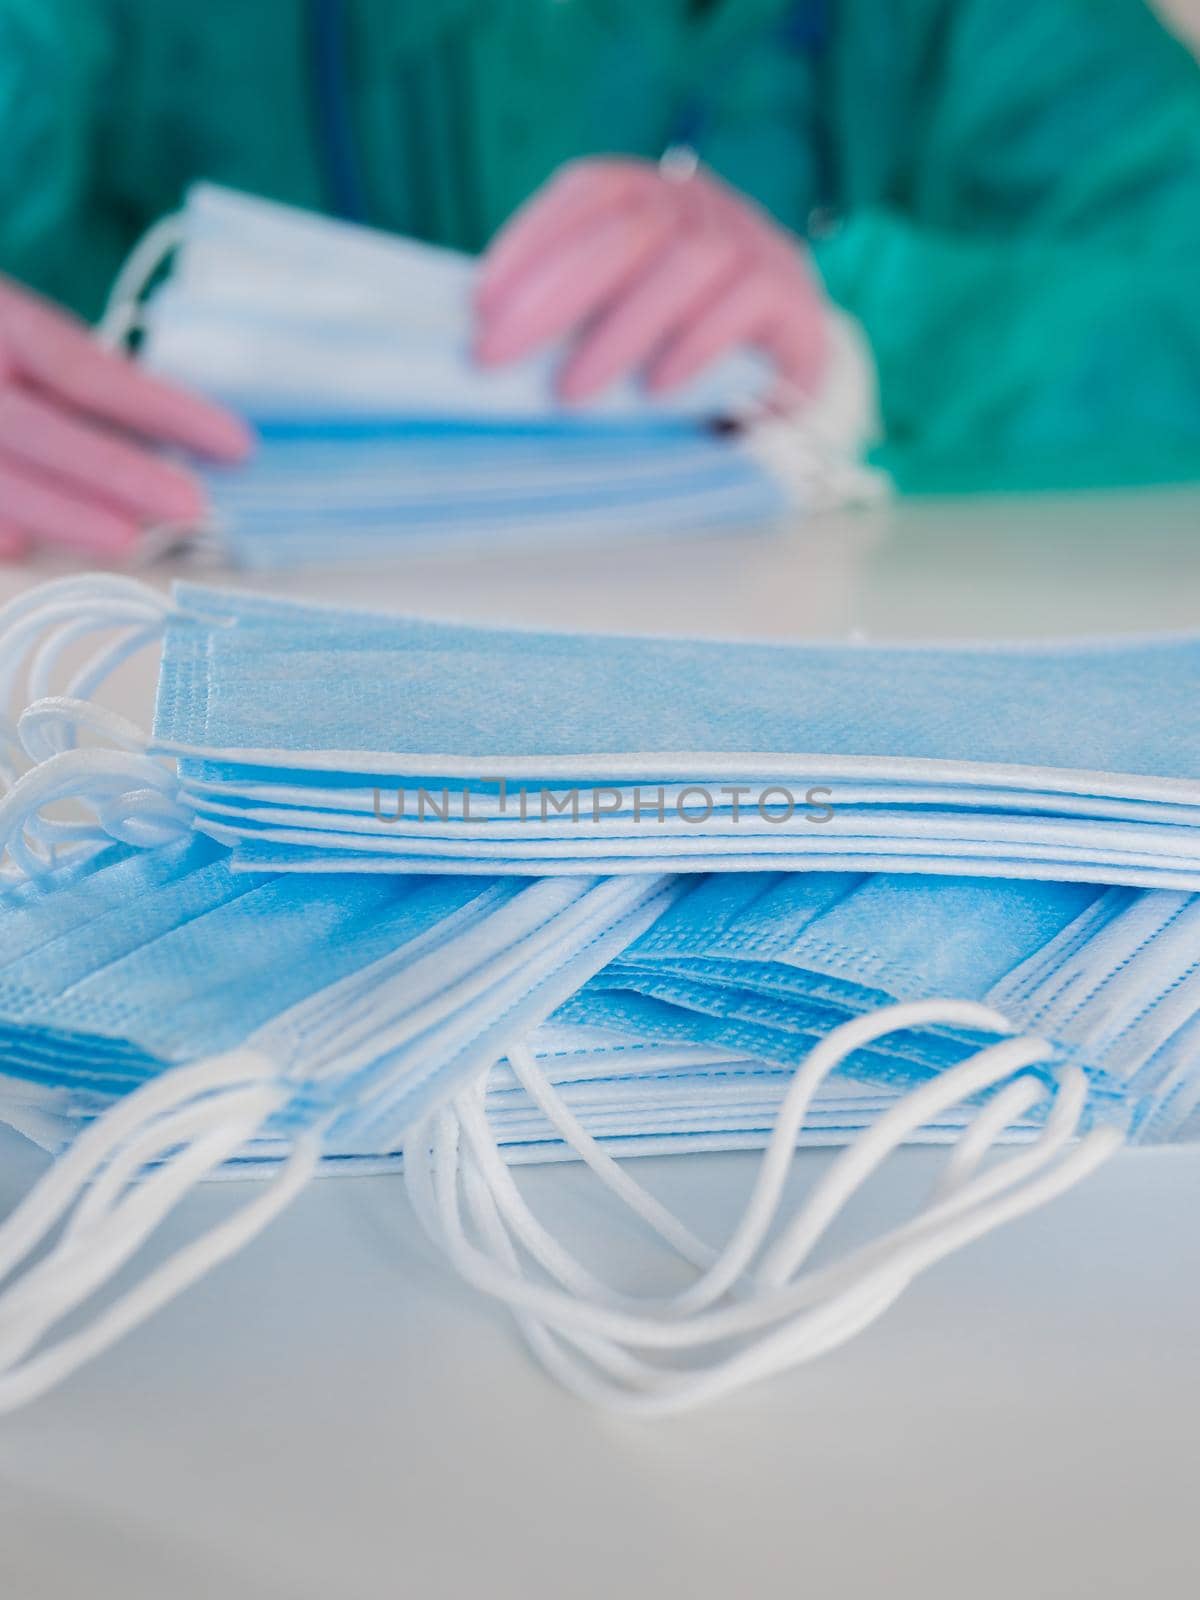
column 331, row 1413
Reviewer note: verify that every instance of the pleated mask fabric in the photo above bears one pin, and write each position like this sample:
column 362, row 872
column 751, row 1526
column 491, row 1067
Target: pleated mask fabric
column 180, row 1019
column 314, row 739
column 309, row 737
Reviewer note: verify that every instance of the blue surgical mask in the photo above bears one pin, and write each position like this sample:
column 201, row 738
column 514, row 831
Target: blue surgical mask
column 324, row 493
column 988, row 717
column 397, row 1051
column 283, row 719
column 740, row 963
column 761, row 964
column 141, row 959
column 351, row 352
column 753, row 742
column 356, row 1054
column 263, row 295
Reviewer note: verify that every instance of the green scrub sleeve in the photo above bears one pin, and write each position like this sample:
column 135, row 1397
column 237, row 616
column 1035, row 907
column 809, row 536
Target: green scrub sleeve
column 1028, row 278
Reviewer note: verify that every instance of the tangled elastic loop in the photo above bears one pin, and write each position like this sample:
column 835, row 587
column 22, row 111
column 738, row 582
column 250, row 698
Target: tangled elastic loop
column 751, row 1309
column 132, row 797
column 110, row 1191
column 50, row 726
column 92, row 600
column 38, row 627
column 36, row 630
column 146, row 818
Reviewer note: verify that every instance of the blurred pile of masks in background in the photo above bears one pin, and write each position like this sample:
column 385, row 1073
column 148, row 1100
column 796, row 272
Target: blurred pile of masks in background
column 350, row 352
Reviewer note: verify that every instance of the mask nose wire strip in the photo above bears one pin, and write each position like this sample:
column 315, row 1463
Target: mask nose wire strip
column 188, row 1121
column 120, row 316
column 817, row 1311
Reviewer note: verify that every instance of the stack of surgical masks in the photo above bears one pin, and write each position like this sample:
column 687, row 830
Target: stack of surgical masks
column 319, row 740
column 351, row 352
column 684, row 1036
column 170, row 1009
column 762, row 966
column 375, row 996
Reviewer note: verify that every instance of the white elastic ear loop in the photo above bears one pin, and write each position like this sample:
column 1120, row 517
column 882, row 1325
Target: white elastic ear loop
column 964, row 1187
column 121, row 314
column 852, row 1307
column 860, row 1160
column 48, row 727
column 639, row 1200
column 435, row 1202
column 92, row 1249
column 431, row 1187
column 1005, row 1107
column 191, row 1120
column 945, row 1090
column 956, row 1083
column 859, row 1289
column 164, row 1134
column 1017, row 1098
column 102, row 664
column 970, row 1188
column 863, row 1301
column 497, row 1180
column 134, row 797
column 189, row 1264
column 504, row 1221
column 93, row 602
column 86, row 591
column 25, row 1227
column 43, row 622
column 609, row 1358
column 1011, row 1103
column 823, row 1205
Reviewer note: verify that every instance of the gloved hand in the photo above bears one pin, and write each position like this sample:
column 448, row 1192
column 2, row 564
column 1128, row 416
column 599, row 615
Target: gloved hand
column 653, row 269
column 74, row 420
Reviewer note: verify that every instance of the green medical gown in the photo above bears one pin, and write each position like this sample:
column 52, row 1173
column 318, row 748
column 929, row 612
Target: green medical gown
column 1005, row 192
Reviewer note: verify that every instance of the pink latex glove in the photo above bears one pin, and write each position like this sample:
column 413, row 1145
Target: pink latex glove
column 651, row 270
column 74, row 420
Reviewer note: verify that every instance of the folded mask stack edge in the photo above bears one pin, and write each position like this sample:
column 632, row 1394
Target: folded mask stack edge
column 314, row 740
